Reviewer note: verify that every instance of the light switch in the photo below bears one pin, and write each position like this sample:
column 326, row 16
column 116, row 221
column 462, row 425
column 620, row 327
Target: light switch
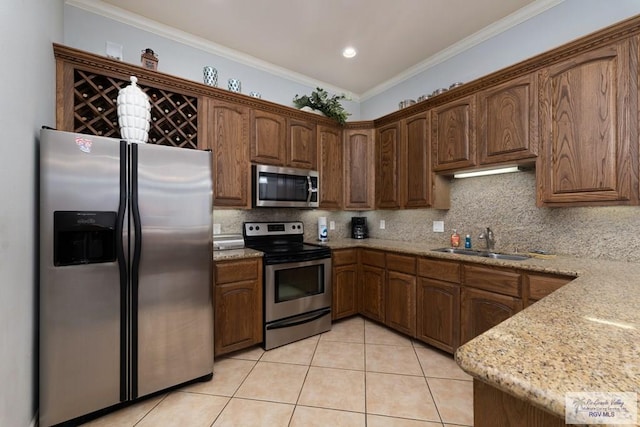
column 438, row 226
column 216, row 229
column 383, row 224
column 332, row 225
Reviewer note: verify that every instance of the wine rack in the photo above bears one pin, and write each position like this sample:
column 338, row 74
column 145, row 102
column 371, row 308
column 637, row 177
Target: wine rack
column 174, row 118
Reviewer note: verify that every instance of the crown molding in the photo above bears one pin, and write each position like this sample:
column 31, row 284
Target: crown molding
column 120, row 15
column 101, row 8
column 476, row 38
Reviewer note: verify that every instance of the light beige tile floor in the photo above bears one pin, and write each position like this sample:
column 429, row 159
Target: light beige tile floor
column 360, row 374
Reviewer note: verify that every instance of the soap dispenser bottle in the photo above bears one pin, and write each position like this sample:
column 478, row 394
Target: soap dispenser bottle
column 455, row 239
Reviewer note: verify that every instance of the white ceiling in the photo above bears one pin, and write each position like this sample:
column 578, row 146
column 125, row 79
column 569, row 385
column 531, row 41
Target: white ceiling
column 394, row 38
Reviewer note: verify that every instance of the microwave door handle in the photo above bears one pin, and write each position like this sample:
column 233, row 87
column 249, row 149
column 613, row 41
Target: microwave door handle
column 310, row 189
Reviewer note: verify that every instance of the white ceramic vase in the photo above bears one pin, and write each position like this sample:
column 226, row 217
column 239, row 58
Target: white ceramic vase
column 134, row 113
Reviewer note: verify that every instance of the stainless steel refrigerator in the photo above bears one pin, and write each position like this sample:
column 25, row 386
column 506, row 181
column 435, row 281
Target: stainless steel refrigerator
column 125, row 271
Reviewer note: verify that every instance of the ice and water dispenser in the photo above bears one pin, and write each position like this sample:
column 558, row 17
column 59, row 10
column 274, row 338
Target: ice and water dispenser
column 82, row 237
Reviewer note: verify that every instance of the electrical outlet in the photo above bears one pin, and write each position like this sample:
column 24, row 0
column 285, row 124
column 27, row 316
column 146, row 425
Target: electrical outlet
column 438, row 226
column 383, row 224
column 216, row 229
column 332, row 225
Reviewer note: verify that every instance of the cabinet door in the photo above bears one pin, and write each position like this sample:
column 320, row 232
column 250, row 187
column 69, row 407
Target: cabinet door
column 301, row 144
column 231, row 168
column 482, row 310
column 438, row 314
column 589, row 140
column 268, row 138
column 359, row 155
column 453, row 134
column 508, row 121
column 345, row 291
column 330, row 167
column 400, row 302
column 388, row 180
column 417, row 171
column 372, row 284
column 237, row 305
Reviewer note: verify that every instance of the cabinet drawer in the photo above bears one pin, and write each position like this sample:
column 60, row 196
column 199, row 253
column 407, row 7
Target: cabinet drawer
column 540, row 286
column 401, row 263
column 440, row 270
column 370, row 257
column 236, row 271
column 344, row 257
column 505, row 282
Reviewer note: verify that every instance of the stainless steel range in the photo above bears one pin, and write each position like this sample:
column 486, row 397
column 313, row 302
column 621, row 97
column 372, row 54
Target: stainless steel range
column 297, row 281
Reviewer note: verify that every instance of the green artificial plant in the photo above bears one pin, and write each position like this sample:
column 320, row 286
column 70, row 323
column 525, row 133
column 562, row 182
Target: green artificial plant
column 320, row 100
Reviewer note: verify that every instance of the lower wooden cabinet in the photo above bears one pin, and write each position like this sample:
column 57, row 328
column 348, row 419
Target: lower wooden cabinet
column 345, row 296
column 438, row 313
column 237, row 305
column 400, row 293
column 372, row 280
column 541, row 285
column 482, row 310
column 400, row 302
column 495, row 408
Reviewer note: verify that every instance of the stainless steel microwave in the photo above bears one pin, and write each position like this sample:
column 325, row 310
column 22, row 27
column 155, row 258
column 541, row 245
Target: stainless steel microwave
column 274, row 186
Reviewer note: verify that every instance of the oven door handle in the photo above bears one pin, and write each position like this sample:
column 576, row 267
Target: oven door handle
column 299, row 320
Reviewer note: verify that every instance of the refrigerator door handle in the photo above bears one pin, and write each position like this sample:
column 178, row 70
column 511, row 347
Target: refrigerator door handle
column 135, row 269
column 122, row 268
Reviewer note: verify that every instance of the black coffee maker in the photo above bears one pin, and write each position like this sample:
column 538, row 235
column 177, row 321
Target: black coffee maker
column 359, row 228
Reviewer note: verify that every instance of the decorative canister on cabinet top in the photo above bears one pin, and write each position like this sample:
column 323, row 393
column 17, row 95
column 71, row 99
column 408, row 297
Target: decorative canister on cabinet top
column 234, row 85
column 210, row 76
column 134, row 112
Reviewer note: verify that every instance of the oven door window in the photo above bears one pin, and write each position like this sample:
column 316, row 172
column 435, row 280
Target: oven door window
column 299, row 282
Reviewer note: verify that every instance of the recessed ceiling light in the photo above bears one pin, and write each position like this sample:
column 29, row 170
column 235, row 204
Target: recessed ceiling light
column 349, row 52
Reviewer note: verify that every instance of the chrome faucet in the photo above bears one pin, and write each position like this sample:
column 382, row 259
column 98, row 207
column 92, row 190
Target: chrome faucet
column 489, row 239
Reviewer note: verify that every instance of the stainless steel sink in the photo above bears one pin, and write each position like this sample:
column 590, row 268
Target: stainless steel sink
column 473, row 252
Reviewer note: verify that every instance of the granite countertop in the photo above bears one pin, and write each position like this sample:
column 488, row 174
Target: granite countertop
column 233, row 254
column 584, row 337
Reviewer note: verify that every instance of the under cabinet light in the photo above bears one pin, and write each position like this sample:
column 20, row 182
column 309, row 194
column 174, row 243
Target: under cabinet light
column 486, row 172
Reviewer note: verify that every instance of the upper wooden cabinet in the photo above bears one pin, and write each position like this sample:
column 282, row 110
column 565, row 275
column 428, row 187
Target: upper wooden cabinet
column 268, row 138
column 588, row 126
column 388, row 156
column 416, row 174
column 282, row 142
column 230, row 146
column 301, row 144
column 453, row 134
column 330, row 167
column 359, row 177
column 404, row 177
column 508, row 121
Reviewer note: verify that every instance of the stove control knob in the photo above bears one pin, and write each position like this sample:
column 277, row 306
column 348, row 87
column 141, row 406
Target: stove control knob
column 257, row 227
column 299, row 227
column 251, row 228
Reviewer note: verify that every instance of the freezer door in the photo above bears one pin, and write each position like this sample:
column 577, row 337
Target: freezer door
column 173, row 289
column 80, row 292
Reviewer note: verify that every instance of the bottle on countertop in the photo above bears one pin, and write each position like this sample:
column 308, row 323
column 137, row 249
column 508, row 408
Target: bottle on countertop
column 455, row 239
column 467, row 242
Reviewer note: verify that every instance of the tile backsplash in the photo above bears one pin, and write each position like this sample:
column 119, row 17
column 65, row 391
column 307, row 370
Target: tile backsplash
column 506, row 203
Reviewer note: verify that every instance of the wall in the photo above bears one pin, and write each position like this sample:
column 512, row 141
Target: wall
column 27, row 78
column 506, row 203
column 90, row 32
column 567, row 21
